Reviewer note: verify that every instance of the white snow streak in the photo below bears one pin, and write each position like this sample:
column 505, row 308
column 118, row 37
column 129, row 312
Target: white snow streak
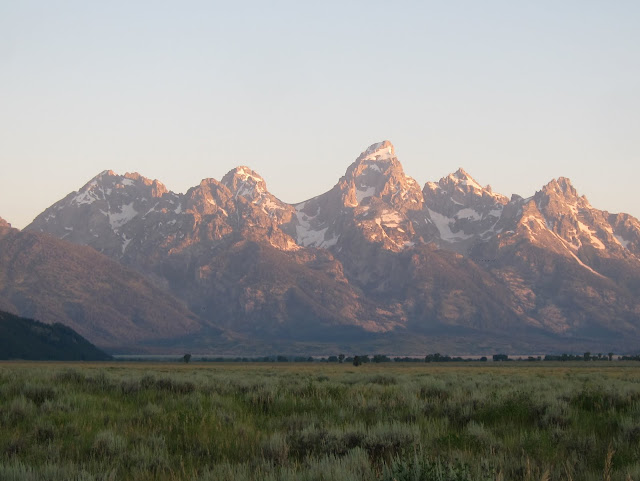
column 118, row 219
column 309, row 237
column 468, row 214
column 363, row 194
column 622, row 241
column 443, row 224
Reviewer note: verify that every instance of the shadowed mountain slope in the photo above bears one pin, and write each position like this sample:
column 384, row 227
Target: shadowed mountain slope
column 27, row 339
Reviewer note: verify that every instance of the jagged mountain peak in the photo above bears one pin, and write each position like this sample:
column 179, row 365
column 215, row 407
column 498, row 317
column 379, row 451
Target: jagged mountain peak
column 559, row 195
column 159, row 187
column 378, row 173
column 463, row 189
column 561, row 186
column 105, row 173
column 379, row 151
column 245, row 182
column 98, row 179
column 378, row 160
column 462, row 180
column 4, row 223
column 462, row 174
column 374, row 249
column 572, row 221
column 108, row 179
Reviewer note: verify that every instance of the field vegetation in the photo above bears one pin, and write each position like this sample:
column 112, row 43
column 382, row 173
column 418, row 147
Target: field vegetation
column 391, row 421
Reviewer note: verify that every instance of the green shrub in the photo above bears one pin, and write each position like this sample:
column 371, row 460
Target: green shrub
column 108, row 444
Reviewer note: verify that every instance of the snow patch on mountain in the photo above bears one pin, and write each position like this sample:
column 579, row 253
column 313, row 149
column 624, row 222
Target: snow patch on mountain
column 125, row 242
column 534, row 224
column 245, row 174
column 269, row 205
column 584, row 265
column 622, row 241
column 597, row 243
column 379, row 151
column 126, row 214
column 308, row 236
column 314, row 238
column 443, row 224
column 464, row 179
column 468, row 213
column 89, row 196
column 363, row 194
column 390, row 219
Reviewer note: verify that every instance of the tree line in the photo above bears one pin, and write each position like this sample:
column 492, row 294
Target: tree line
column 360, row 359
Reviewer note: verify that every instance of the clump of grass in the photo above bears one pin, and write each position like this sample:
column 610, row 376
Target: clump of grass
column 383, row 380
column 108, row 444
column 174, row 386
column 44, row 433
column 69, row 376
column 99, row 382
column 423, row 469
column 276, row 449
column 148, row 456
column 19, row 409
column 38, row 394
column 18, row 471
column 151, row 411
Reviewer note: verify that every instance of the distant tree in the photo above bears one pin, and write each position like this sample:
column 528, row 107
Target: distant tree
column 282, row 359
column 380, row 358
column 186, row 358
column 500, row 357
column 341, row 358
column 333, row 359
column 610, row 356
column 357, row 361
column 587, row 356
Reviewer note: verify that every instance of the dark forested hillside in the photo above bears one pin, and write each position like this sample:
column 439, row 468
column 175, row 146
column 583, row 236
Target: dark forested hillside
column 22, row 338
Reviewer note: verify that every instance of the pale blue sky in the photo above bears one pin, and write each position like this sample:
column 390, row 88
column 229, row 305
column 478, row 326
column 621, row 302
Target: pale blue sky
column 515, row 92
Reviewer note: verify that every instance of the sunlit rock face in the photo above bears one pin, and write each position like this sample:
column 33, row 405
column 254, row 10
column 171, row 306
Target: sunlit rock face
column 377, row 253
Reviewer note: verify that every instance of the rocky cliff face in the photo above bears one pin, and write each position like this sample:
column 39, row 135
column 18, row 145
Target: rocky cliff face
column 373, row 200
column 463, row 212
column 375, row 254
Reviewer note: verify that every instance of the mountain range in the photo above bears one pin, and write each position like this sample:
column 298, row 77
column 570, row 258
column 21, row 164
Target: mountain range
column 377, row 262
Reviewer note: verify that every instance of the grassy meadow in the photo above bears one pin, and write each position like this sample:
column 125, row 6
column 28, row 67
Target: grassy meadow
column 396, row 421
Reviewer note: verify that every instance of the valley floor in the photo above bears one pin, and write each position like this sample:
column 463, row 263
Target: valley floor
column 216, row 421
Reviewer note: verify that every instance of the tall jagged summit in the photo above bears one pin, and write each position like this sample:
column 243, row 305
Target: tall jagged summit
column 245, row 182
column 377, row 253
column 377, row 173
column 379, row 151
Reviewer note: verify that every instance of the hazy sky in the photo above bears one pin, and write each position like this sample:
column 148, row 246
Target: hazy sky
column 515, row 92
